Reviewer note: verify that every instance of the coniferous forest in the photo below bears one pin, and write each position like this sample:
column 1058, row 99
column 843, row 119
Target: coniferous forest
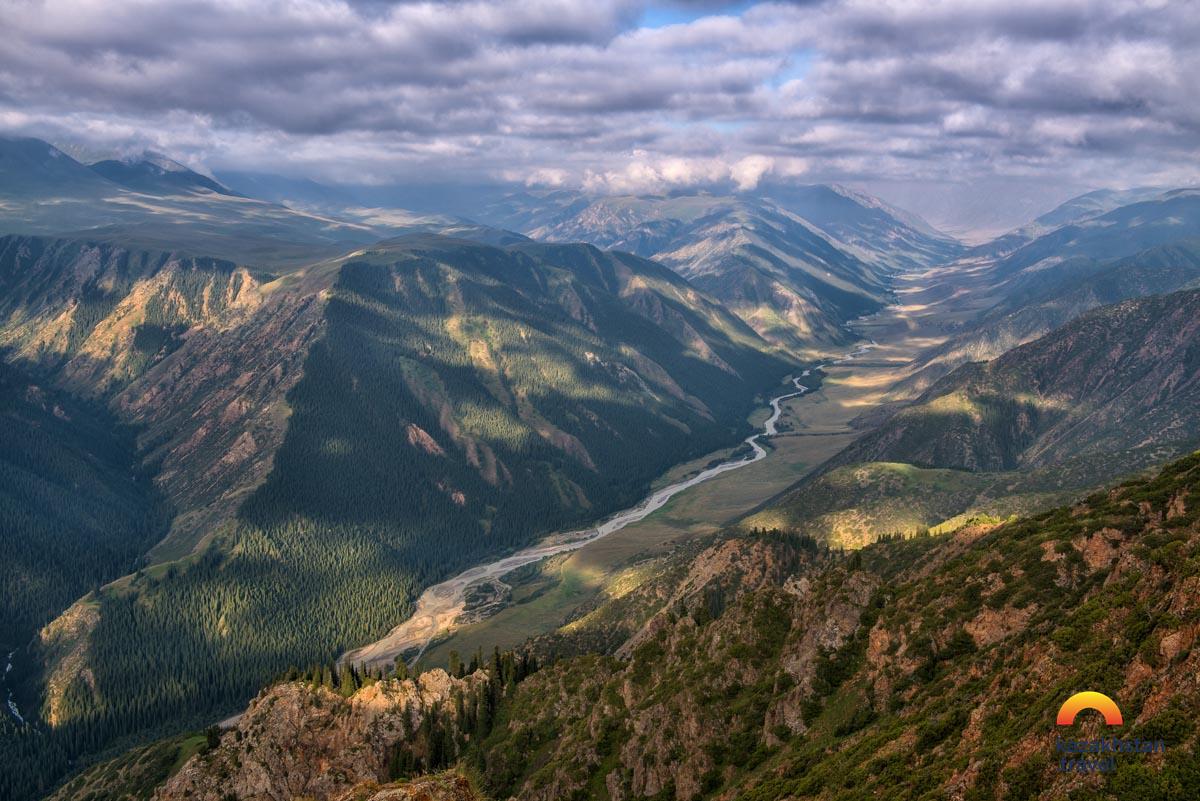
column 430, row 429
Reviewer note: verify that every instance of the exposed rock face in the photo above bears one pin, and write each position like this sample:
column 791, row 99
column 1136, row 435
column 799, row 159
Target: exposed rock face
column 63, row 643
column 213, row 413
column 296, row 741
column 934, row 665
column 444, row 787
column 192, row 351
column 658, row 720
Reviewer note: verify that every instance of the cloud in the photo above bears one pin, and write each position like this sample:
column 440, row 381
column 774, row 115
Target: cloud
column 747, row 171
column 574, row 92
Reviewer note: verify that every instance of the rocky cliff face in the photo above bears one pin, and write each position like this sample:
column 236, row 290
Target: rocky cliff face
column 928, row 666
column 299, row 741
column 194, row 352
column 444, row 787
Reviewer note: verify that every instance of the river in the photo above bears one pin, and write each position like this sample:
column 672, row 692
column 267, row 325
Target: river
column 441, row 605
column 12, row 705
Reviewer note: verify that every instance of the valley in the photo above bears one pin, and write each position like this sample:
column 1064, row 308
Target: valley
column 812, row 427
column 619, row 400
column 442, row 608
column 429, row 440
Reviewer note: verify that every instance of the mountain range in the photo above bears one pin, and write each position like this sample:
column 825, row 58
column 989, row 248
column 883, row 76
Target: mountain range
column 796, row 266
column 250, row 419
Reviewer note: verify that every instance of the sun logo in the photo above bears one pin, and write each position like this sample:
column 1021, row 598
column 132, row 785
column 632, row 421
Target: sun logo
column 1089, row 700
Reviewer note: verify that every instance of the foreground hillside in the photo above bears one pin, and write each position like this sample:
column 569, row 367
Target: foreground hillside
column 333, row 439
column 931, row 667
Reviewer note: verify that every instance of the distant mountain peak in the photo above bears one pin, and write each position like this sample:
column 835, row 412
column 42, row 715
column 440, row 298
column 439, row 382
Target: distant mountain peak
column 154, row 173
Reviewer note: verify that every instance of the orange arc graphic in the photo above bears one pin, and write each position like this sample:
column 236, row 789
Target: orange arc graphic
column 1089, row 700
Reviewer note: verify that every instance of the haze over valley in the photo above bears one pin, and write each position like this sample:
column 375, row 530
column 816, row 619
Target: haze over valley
column 468, row 401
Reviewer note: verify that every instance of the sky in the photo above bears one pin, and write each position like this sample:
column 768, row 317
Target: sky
column 937, row 105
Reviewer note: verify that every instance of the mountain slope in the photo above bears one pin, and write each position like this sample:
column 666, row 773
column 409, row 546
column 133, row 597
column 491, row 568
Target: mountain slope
column 931, row 667
column 1074, row 210
column 1123, row 231
column 775, row 270
column 45, row 191
column 74, row 510
column 156, row 174
column 1125, row 378
column 878, row 232
column 1112, row 393
column 31, row 168
column 1036, row 304
column 337, row 437
column 156, row 336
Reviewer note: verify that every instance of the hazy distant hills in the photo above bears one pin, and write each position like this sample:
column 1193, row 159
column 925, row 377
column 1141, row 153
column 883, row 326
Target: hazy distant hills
column 43, row 190
column 1074, row 210
column 32, row 169
column 1122, row 231
column 1041, row 302
column 156, row 174
column 1141, row 248
column 795, row 266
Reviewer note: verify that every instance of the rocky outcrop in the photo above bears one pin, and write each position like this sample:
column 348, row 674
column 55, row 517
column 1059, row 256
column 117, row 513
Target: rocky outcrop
column 928, row 666
column 443, row 787
column 298, row 741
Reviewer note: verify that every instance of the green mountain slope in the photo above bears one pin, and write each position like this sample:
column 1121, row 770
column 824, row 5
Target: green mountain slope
column 1112, row 393
column 794, row 281
column 345, row 434
column 75, row 510
column 1124, row 378
column 922, row 668
column 927, row 668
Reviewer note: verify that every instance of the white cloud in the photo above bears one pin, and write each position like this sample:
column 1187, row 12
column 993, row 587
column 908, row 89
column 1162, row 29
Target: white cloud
column 747, row 171
column 570, row 92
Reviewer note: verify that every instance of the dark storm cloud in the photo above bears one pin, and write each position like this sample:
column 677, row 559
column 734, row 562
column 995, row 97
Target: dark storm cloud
column 574, row 91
